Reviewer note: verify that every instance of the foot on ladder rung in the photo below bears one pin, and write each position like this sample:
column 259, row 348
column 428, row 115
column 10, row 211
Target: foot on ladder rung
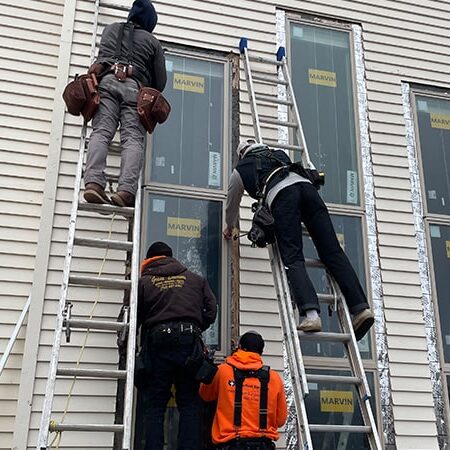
column 106, row 209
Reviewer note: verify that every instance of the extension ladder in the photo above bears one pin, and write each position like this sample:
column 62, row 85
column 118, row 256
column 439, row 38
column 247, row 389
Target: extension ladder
column 126, row 327
column 288, row 118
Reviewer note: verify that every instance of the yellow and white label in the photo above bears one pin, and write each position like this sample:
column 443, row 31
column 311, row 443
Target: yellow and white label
column 447, row 245
column 441, row 121
column 322, row 77
column 336, row 401
column 189, row 83
column 182, row 227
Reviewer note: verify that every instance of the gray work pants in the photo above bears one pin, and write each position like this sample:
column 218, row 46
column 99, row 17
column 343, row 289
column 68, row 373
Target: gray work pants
column 118, row 101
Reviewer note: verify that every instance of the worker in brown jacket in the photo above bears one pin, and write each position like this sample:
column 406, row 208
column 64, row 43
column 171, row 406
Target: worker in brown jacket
column 251, row 403
column 175, row 306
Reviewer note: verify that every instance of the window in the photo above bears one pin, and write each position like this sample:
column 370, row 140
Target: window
column 322, row 63
column 321, row 66
column 185, row 189
column 433, row 129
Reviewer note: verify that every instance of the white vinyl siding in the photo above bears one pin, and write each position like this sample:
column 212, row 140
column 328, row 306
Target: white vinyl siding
column 402, row 41
column 30, row 34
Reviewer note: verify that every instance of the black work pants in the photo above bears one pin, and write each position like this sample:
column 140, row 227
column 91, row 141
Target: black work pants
column 302, row 203
column 168, row 368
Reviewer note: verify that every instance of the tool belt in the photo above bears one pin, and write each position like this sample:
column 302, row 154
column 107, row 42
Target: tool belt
column 152, row 108
column 248, row 444
column 81, row 96
column 174, row 333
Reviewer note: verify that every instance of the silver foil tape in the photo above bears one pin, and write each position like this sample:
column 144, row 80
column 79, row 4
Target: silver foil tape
column 387, row 413
column 424, row 270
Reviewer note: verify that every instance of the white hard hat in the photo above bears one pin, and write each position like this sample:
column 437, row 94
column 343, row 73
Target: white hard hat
column 243, row 146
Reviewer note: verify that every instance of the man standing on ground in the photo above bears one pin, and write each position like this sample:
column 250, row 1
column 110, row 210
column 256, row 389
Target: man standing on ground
column 129, row 57
column 251, row 402
column 292, row 200
column 174, row 307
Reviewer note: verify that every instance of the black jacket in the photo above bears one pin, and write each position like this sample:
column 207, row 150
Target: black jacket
column 148, row 55
column 169, row 292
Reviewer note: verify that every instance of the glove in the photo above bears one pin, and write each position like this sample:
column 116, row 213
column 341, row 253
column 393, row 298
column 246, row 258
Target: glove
column 96, row 68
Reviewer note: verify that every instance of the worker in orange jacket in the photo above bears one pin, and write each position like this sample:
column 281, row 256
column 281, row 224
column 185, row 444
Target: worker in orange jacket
column 251, row 402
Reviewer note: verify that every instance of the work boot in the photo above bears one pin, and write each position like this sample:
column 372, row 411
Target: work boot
column 362, row 321
column 123, row 198
column 94, row 193
column 310, row 324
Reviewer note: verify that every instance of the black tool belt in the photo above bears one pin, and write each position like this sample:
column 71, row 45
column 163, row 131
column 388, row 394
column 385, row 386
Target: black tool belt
column 172, row 333
column 248, row 444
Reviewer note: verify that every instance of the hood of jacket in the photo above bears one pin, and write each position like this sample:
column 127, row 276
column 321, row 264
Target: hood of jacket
column 254, row 148
column 143, row 13
column 245, row 360
column 164, row 266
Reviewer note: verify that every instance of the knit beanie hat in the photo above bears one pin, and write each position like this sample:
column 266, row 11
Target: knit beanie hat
column 159, row 249
column 252, row 341
column 143, row 13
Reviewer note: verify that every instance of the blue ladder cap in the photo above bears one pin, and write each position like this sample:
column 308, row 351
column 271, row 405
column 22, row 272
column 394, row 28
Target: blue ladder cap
column 281, row 53
column 243, row 43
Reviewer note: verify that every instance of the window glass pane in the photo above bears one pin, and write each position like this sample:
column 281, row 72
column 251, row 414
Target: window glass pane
column 323, row 85
column 349, row 233
column 192, row 228
column 440, row 248
column 433, row 117
column 188, row 148
column 336, row 404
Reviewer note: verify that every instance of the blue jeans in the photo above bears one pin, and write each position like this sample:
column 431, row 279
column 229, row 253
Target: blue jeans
column 168, row 367
column 302, row 203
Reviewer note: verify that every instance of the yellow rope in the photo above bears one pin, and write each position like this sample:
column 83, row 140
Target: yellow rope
column 58, row 435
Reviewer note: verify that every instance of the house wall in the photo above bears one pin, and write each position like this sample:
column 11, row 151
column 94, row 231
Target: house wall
column 46, row 41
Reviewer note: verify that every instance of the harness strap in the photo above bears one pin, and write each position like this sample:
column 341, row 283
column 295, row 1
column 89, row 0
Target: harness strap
column 263, row 375
column 130, row 42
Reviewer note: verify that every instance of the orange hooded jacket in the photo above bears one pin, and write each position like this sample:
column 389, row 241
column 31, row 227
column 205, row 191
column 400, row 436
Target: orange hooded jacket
column 222, row 389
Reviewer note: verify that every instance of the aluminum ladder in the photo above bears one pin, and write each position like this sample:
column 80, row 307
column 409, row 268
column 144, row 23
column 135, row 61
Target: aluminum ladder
column 65, row 323
column 258, row 71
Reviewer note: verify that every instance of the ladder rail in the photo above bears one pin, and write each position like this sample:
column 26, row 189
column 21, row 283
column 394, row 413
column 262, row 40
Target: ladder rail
column 132, row 321
column 292, row 343
column 14, row 335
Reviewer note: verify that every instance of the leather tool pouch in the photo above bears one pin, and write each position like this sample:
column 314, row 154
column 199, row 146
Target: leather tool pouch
column 81, row 96
column 152, row 108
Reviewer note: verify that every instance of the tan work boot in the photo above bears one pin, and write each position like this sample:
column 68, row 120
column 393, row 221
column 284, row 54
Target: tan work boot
column 362, row 322
column 123, row 198
column 94, row 193
column 310, row 325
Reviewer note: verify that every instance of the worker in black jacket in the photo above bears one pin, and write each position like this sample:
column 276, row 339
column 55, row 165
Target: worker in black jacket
column 175, row 306
column 293, row 199
column 129, row 57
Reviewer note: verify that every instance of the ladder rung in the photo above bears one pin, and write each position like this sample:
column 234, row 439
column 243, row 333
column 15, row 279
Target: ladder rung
column 114, row 177
column 281, row 123
column 106, row 209
column 112, row 283
column 85, row 427
column 270, row 80
column 96, row 324
column 92, row 373
column 276, row 144
column 315, row 378
column 274, row 100
column 260, row 59
column 340, row 428
column 104, row 243
column 324, row 336
column 325, row 298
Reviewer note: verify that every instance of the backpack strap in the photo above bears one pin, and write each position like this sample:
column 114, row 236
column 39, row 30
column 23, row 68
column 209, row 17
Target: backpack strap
column 263, row 374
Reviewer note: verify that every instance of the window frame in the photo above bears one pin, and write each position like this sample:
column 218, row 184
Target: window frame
column 428, row 220
column 359, row 210
column 347, row 28
column 196, row 193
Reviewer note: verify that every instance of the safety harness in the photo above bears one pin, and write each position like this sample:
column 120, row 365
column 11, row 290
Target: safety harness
column 263, row 375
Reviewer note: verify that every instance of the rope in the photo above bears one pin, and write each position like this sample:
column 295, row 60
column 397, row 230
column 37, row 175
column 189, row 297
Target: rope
column 53, row 423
